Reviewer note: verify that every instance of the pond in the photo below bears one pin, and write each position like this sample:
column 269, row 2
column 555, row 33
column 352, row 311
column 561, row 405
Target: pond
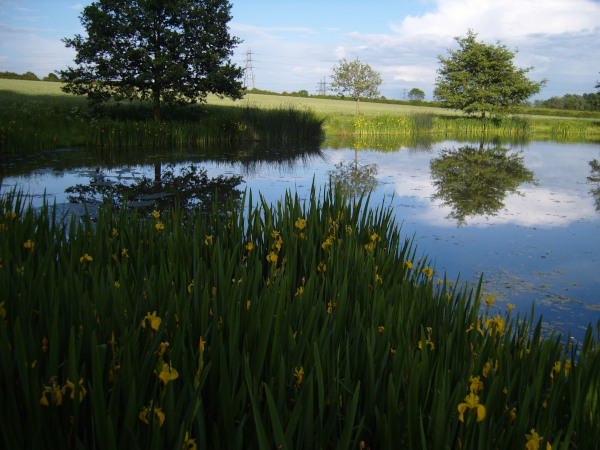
column 526, row 215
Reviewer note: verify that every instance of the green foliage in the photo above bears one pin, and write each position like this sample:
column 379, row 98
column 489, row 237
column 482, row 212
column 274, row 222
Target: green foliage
column 571, row 102
column 37, row 122
column 302, row 325
column 191, row 191
column 474, row 181
column 52, row 77
column 416, row 94
column 36, row 115
column 356, row 79
column 164, row 51
column 482, row 79
column 15, row 76
column 354, row 179
column 595, row 179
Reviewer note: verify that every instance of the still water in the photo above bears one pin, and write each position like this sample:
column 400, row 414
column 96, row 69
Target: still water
column 525, row 215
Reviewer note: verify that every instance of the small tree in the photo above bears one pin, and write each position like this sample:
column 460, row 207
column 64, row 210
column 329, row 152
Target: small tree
column 416, row 94
column 480, row 78
column 176, row 50
column 598, row 94
column 51, row 77
column 355, row 79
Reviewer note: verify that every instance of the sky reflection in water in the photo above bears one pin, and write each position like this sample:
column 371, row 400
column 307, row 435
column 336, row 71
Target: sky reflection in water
column 543, row 246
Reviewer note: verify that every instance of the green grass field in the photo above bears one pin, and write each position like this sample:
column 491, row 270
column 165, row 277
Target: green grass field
column 318, row 105
column 37, row 115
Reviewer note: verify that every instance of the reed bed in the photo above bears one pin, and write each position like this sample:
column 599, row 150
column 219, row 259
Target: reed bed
column 422, row 124
column 303, row 324
column 31, row 123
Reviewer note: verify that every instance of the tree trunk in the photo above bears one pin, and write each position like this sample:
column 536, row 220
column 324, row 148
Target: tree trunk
column 157, row 172
column 357, row 103
column 156, row 105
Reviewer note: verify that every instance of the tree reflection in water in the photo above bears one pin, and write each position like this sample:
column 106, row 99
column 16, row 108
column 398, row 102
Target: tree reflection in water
column 191, row 191
column 354, row 179
column 595, row 178
column 474, row 181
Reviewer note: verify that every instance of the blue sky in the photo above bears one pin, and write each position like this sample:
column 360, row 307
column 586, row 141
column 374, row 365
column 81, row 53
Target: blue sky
column 295, row 44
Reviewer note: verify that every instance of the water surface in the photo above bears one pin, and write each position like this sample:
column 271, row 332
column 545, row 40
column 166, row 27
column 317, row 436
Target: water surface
column 525, row 215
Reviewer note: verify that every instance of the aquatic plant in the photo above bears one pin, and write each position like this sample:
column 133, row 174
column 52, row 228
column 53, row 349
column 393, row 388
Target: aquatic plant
column 299, row 324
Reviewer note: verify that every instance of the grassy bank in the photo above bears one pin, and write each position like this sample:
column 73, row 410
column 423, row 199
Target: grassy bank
column 38, row 115
column 296, row 325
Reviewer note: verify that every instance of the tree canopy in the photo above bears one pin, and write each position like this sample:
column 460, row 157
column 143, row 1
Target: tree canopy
column 576, row 102
column 163, row 50
column 416, row 94
column 480, row 78
column 356, row 79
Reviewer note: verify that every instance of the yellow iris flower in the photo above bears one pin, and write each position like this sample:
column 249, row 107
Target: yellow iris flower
column 55, row 393
column 533, row 440
column 300, row 224
column 153, row 319
column 158, row 414
column 475, row 384
column 85, row 257
column 70, row 385
column 472, row 405
column 167, row 373
column 299, row 374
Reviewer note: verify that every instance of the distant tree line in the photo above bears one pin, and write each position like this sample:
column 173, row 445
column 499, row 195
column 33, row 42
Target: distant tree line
column 28, row 76
column 585, row 102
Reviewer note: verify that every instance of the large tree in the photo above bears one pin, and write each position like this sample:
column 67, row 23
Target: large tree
column 356, row 79
column 480, row 78
column 163, row 50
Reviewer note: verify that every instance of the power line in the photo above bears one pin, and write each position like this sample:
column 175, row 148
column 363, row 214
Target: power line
column 322, row 87
column 248, row 71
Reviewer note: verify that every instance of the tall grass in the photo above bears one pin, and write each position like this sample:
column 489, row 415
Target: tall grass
column 419, row 124
column 30, row 123
column 37, row 115
column 295, row 325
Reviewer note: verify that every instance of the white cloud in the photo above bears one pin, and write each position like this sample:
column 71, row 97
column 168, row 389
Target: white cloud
column 505, row 20
column 558, row 38
column 35, row 53
column 409, row 73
